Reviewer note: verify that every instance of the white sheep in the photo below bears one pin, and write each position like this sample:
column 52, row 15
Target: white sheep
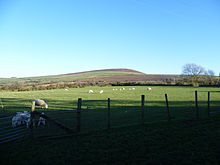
column 41, row 103
column 91, row 91
column 149, row 89
column 101, row 91
column 21, row 118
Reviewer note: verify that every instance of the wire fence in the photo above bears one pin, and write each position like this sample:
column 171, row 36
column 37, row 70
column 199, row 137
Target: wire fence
column 85, row 117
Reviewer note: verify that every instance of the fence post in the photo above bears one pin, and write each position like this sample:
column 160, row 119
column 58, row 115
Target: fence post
column 31, row 119
column 208, row 103
column 108, row 117
column 142, row 109
column 168, row 109
column 78, row 113
column 196, row 102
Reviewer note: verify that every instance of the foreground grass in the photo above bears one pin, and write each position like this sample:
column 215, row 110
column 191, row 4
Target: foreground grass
column 175, row 142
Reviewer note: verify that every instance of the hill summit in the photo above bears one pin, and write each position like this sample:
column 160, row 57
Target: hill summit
column 105, row 70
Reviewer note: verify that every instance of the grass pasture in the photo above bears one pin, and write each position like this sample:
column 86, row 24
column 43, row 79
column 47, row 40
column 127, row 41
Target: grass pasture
column 183, row 140
column 125, row 105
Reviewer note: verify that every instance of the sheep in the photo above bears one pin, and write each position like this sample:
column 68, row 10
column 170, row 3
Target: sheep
column 91, row 91
column 41, row 120
column 15, row 121
column 149, row 89
column 41, row 103
column 21, row 118
column 101, row 91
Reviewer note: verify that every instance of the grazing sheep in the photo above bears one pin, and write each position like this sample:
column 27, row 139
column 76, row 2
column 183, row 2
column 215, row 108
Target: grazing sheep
column 91, row 91
column 149, row 89
column 101, row 91
column 41, row 103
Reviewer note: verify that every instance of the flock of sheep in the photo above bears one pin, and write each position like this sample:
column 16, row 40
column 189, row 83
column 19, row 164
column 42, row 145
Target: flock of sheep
column 24, row 118
column 115, row 89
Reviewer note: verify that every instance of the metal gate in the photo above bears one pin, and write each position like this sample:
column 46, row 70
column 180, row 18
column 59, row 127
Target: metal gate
column 9, row 133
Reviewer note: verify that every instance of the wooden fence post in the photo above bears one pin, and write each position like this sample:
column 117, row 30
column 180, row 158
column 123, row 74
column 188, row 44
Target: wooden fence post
column 196, row 103
column 78, row 113
column 142, row 109
column 31, row 119
column 108, row 117
column 208, row 103
column 168, row 109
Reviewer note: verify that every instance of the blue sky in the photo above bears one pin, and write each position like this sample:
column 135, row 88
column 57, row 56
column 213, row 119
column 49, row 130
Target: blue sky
column 47, row 37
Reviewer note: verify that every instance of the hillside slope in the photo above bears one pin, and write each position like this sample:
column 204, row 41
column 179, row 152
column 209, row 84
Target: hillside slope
column 80, row 79
column 108, row 75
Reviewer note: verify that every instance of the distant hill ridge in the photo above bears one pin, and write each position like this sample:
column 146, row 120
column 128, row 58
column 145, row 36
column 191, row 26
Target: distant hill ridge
column 104, row 70
column 102, row 77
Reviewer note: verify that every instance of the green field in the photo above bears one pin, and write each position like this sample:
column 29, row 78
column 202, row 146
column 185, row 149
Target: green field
column 184, row 139
column 125, row 104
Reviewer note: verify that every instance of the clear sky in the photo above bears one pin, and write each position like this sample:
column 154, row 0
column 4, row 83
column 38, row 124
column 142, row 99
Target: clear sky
column 47, row 37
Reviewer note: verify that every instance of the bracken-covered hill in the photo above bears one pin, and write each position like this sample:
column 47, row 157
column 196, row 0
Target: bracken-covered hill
column 80, row 79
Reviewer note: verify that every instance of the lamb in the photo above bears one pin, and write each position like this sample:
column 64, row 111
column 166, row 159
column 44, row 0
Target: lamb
column 41, row 103
column 41, row 120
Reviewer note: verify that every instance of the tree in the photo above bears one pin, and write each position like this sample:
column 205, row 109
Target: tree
column 193, row 73
column 193, row 70
column 210, row 77
column 197, row 75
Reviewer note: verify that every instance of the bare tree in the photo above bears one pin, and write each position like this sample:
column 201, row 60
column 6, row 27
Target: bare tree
column 193, row 73
column 210, row 77
column 196, row 75
column 210, row 72
column 193, row 69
